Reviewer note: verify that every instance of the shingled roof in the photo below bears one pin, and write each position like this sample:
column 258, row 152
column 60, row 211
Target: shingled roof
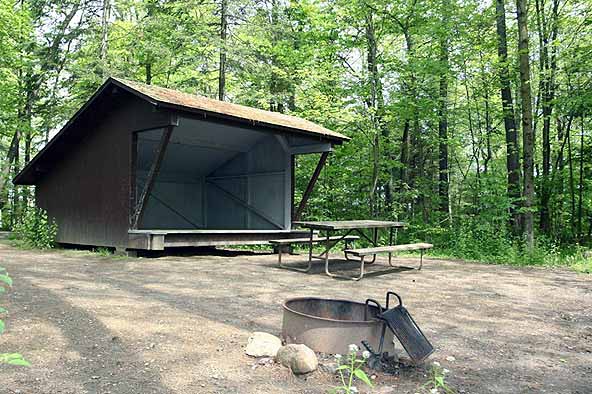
column 164, row 96
column 178, row 101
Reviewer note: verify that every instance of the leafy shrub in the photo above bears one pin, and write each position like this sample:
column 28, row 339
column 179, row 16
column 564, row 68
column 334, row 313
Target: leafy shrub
column 36, row 229
column 491, row 242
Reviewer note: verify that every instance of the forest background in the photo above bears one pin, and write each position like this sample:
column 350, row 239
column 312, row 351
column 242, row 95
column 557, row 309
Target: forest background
column 470, row 120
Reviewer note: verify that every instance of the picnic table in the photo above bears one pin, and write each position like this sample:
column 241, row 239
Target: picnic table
column 347, row 227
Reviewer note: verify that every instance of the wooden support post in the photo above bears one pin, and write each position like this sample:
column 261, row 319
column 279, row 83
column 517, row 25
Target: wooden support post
column 152, row 174
column 133, row 177
column 311, row 184
column 292, row 184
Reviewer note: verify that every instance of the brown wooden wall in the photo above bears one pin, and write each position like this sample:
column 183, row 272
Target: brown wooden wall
column 87, row 190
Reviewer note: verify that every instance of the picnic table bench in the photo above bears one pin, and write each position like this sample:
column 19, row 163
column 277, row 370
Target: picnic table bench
column 283, row 243
column 390, row 249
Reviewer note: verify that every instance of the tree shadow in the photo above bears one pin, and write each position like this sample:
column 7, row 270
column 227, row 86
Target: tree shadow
column 100, row 350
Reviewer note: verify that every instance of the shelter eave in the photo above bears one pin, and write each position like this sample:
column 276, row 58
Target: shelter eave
column 252, row 122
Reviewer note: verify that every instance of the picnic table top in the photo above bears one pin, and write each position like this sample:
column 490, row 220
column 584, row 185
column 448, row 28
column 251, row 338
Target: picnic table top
column 349, row 224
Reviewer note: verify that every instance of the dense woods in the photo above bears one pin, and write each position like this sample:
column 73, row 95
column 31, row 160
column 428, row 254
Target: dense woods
column 470, row 120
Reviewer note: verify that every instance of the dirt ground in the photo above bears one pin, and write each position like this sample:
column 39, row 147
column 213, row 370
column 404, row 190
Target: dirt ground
column 179, row 324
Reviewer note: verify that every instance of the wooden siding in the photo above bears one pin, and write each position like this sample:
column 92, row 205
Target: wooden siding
column 87, row 191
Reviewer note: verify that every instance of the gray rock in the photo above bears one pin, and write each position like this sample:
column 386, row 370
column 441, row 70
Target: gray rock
column 329, row 367
column 299, row 358
column 262, row 344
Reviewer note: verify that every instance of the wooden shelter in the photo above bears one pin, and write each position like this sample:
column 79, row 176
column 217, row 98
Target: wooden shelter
column 144, row 167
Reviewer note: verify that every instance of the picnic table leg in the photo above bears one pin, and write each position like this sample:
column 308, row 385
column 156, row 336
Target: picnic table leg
column 327, row 254
column 342, row 276
column 361, row 269
column 311, row 234
column 355, row 278
column 373, row 240
column 347, row 243
column 308, row 268
column 375, row 243
column 420, row 260
column 280, row 255
column 390, row 244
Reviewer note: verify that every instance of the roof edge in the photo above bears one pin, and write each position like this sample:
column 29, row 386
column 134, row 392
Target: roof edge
column 124, row 84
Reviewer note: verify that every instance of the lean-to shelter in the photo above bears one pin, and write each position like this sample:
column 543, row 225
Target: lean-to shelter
column 144, row 167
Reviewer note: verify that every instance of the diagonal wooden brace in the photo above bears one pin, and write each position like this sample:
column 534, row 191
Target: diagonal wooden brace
column 310, row 187
column 152, row 174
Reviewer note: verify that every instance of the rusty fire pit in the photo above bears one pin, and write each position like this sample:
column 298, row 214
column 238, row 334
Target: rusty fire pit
column 329, row 326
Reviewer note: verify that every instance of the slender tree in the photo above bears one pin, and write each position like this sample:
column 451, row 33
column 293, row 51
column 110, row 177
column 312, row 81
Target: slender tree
column 512, row 152
column 527, row 127
column 375, row 104
column 443, row 179
column 104, row 45
column 547, row 70
column 222, row 62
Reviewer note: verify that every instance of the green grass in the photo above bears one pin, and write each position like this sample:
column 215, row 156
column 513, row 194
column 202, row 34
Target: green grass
column 584, row 266
column 492, row 245
column 106, row 253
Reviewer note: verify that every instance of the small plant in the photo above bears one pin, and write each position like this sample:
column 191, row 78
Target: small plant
column 351, row 368
column 104, row 252
column 8, row 358
column 36, row 229
column 437, row 383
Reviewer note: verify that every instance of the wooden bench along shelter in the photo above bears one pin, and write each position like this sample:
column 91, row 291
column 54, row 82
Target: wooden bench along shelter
column 144, row 167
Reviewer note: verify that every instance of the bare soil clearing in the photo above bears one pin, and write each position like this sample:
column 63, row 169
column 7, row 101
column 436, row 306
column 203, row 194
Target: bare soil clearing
column 179, row 324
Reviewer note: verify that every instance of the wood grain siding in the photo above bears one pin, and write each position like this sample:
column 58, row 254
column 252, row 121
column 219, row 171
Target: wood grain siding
column 87, row 190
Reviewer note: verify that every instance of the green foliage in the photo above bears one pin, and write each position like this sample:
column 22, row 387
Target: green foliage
column 8, row 358
column 36, row 229
column 104, row 252
column 478, row 240
column 350, row 369
column 436, row 383
column 13, row 359
column 584, row 266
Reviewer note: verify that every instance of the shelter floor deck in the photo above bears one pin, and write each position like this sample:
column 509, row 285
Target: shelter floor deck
column 158, row 239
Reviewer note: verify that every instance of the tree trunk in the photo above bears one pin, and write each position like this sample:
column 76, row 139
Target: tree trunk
column 275, row 104
column 548, row 66
column 15, row 190
column 474, row 145
column 527, row 128
column 104, row 47
column 405, row 146
column 222, row 65
column 406, row 138
column 512, row 151
column 26, row 190
column 581, row 182
column 571, row 184
column 443, row 179
column 488, row 132
column 148, row 69
column 375, row 103
column 7, row 165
